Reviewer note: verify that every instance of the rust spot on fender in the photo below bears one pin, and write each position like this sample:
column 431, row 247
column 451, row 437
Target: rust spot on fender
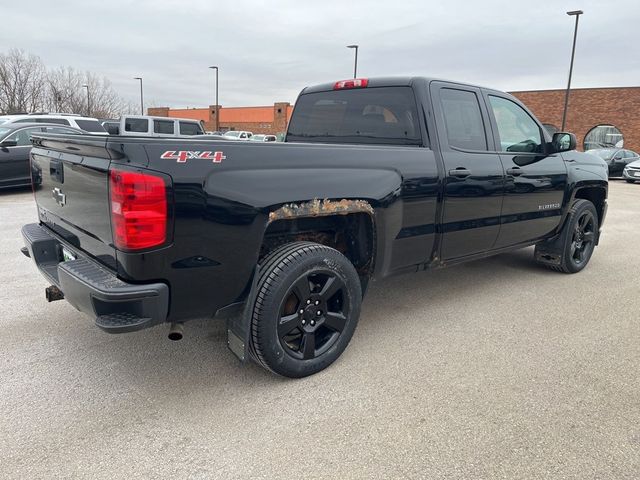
column 318, row 208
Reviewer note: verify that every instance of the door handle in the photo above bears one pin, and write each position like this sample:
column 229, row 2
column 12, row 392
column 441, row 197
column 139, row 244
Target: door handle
column 515, row 171
column 460, row 172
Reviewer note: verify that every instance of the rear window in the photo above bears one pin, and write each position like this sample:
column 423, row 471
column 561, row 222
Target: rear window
column 188, row 128
column 163, row 126
column 140, row 125
column 90, row 126
column 604, row 154
column 382, row 115
column 60, row 130
column 59, row 121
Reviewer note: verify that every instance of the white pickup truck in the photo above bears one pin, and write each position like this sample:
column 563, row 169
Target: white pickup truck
column 147, row 126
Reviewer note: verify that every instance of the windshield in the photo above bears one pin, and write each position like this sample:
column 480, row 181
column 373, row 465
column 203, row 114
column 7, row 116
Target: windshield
column 4, row 120
column 604, row 154
column 232, row 134
column 381, row 115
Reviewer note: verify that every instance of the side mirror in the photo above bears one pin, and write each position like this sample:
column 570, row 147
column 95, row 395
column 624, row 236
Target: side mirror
column 563, row 142
column 9, row 143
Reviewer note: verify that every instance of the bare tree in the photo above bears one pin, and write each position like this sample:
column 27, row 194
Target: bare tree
column 64, row 91
column 22, row 82
column 27, row 86
column 67, row 93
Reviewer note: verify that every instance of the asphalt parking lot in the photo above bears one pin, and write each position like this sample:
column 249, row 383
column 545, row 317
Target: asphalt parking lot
column 493, row 369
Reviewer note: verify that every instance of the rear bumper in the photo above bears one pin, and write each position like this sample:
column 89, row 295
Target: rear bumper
column 116, row 306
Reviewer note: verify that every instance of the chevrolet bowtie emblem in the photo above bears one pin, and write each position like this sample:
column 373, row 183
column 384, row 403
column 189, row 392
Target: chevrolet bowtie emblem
column 59, row 197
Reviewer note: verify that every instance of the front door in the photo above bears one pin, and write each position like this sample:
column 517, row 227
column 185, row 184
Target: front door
column 535, row 181
column 474, row 179
column 14, row 161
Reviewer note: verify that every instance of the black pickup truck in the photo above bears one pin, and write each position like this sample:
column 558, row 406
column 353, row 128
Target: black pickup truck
column 376, row 177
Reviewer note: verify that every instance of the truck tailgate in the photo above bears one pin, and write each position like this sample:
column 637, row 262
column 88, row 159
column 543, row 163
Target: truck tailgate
column 73, row 196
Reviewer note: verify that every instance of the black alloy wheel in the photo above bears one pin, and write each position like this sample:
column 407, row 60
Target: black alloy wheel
column 313, row 314
column 571, row 250
column 578, row 237
column 307, row 304
column 583, row 238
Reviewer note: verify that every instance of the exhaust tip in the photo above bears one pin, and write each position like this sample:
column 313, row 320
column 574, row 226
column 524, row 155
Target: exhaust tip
column 176, row 331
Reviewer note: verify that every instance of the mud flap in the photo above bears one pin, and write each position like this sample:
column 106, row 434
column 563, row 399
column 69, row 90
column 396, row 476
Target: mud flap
column 238, row 321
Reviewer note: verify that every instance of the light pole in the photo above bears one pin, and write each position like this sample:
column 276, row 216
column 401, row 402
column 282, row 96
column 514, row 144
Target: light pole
column 573, row 13
column 88, row 100
column 217, row 109
column 355, row 65
column 141, row 96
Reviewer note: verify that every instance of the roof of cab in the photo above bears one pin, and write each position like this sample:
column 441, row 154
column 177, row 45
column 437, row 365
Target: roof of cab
column 404, row 81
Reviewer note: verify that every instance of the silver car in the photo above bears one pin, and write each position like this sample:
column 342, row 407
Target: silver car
column 631, row 171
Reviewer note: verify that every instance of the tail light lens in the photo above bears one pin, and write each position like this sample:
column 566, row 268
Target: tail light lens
column 138, row 209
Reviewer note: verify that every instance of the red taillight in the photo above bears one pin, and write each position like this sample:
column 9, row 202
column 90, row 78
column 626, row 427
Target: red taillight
column 352, row 83
column 138, row 209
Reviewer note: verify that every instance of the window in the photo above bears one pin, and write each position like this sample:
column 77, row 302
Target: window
column 59, row 121
column 462, row 119
column 163, row 126
column 518, row 132
column 188, row 128
column 60, row 130
column 603, row 153
column 140, row 125
column 380, row 115
column 603, row 136
column 90, row 126
column 23, row 136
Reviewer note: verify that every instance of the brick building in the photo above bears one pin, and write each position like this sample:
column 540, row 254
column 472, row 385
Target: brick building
column 615, row 110
column 269, row 119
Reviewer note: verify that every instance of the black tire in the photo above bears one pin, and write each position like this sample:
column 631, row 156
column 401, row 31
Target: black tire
column 576, row 241
column 306, row 309
column 629, row 180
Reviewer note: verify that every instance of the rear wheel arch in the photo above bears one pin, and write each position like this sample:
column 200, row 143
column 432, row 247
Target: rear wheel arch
column 347, row 226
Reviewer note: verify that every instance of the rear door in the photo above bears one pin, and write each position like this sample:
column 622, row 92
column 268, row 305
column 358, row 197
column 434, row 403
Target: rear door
column 474, row 179
column 535, row 181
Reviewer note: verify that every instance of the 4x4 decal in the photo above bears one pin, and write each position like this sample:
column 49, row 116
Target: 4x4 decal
column 182, row 156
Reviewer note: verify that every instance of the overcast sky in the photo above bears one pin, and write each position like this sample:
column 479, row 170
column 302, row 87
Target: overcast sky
column 268, row 50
